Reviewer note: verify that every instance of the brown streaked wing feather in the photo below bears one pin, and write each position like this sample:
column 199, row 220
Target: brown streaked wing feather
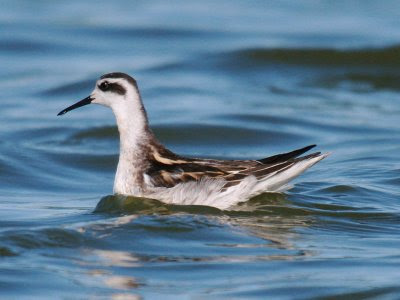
column 231, row 171
column 167, row 169
column 172, row 174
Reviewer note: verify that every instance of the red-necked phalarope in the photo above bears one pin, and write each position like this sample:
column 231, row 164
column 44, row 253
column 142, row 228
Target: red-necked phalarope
column 147, row 169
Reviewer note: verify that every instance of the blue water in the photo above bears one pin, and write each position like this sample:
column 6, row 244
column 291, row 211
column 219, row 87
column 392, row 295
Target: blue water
column 231, row 79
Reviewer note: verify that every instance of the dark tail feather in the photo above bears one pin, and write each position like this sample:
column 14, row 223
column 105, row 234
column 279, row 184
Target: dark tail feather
column 285, row 156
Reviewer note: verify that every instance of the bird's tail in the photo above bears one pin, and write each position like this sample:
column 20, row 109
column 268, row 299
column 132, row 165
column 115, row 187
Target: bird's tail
column 278, row 181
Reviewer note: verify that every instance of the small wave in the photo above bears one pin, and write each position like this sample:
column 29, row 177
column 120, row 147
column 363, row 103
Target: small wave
column 15, row 45
column 341, row 189
column 208, row 134
column 49, row 237
column 388, row 57
column 147, row 32
column 35, row 46
column 68, row 88
column 40, row 133
column 140, row 205
column 361, row 82
column 104, row 132
column 390, row 292
column 4, row 251
column 327, row 292
column 86, row 162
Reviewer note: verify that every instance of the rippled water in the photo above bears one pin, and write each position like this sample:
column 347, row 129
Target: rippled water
column 230, row 79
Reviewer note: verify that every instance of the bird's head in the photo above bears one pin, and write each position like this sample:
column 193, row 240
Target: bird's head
column 115, row 90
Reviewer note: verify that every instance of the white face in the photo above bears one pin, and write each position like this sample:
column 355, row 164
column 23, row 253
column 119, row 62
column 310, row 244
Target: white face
column 111, row 92
column 117, row 91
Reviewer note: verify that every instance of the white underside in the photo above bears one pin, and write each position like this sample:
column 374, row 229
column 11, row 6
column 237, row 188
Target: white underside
column 208, row 191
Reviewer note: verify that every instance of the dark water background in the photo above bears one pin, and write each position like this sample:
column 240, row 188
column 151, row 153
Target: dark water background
column 229, row 79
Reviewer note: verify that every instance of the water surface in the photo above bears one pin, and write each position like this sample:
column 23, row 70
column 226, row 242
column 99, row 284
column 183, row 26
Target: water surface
column 228, row 80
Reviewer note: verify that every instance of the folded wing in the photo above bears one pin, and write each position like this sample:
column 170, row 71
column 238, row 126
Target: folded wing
column 167, row 169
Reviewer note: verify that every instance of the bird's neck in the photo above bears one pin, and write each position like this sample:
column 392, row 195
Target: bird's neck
column 132, row 126
column 135, row 135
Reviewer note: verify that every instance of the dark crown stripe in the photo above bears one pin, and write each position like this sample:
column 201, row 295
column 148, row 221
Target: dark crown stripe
column 120, row 75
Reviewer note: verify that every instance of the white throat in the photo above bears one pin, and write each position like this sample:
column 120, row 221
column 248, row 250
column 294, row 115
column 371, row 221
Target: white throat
column 132, row 125
column 134, row 134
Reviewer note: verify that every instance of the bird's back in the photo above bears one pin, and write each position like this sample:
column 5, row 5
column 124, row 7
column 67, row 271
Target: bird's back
column 179, row 177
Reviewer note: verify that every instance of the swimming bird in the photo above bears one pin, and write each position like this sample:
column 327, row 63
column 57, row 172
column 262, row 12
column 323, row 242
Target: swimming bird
column 148, row 169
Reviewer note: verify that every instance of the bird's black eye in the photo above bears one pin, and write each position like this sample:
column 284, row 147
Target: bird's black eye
column 104, row 86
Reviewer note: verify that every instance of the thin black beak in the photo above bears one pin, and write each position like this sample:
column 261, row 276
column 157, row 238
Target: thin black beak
column 83, row 102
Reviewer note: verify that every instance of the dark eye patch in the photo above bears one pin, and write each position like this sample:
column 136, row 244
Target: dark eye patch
column 116, row 88
column 112, row 87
